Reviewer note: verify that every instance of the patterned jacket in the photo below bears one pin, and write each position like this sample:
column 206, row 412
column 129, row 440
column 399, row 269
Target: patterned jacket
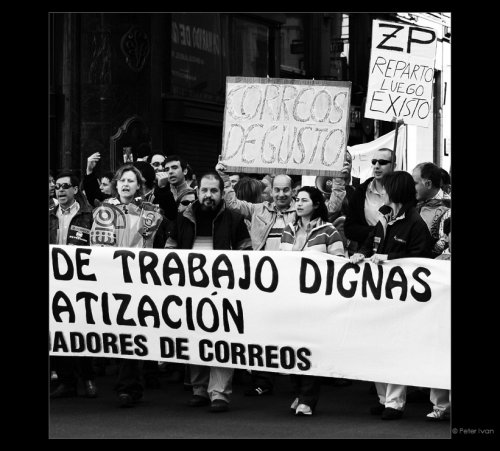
column 320, row 236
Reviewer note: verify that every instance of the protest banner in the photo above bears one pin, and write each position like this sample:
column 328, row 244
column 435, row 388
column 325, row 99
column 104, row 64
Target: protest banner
column 276, row 125
column 401, row 73
column 292, row 312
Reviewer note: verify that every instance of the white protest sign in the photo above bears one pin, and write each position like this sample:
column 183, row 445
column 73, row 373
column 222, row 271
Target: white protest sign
column 274, row 125
column 292, row 312
column 401, row 73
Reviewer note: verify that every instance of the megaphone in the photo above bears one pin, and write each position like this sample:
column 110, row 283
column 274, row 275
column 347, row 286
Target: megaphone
column 324, row 184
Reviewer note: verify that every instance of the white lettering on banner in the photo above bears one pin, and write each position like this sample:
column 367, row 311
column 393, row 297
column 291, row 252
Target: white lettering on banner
column 401, row 73
column 240, row 309
column 271, row 125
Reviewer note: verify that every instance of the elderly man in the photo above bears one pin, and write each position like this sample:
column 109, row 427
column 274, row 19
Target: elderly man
column 433, row 203
column 207, row 224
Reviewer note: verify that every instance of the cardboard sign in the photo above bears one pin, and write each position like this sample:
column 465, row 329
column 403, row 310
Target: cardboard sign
column 275, row 125
column 401, row 73
column 291, row 312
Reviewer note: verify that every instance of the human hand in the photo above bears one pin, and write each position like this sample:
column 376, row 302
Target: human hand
column 356, row 258
column 378, row 258
column 162, row 179
column 220, row 167
column 92, row 162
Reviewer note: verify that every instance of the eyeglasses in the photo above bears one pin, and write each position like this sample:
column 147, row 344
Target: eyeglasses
column 186, row 202
column 156, row 164
column 63, row 185
column 380, row 162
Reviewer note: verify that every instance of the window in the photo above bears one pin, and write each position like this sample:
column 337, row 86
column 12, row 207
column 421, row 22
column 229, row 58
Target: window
column 250, row 49
column 292, row 46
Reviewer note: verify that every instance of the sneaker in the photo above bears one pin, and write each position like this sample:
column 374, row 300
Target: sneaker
column 218, row 405
column 294, row 405
column 391, row 414
column 377, row 410
column 258, row 391
column 303, row 409
column 438, row 415
column 198, row 401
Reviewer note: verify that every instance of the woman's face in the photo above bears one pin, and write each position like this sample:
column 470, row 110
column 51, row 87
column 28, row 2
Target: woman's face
column 127, row 186
column 105, row 186
column 304, row 205
column 186, row 201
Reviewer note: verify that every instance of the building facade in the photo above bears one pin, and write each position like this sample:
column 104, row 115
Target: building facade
column 131, row 80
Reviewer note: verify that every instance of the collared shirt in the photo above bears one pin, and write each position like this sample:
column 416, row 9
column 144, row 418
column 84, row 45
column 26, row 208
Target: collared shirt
column 273, row 240
column 373, row 201
column 65, row 216
column 176, row 190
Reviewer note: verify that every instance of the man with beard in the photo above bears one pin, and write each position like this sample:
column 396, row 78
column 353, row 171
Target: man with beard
column 207, row 224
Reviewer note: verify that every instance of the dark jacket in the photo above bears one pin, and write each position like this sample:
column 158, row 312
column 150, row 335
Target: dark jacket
column 229, row 230
column 404, row 237
column 90, row 185
column 79, row 228
column 355, row 227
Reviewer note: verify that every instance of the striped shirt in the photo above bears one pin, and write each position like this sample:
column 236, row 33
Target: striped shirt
column 274, row 238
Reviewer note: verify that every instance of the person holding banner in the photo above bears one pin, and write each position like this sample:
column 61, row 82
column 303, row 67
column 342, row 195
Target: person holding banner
column 362, row 211
column 267, row 222
column 310, row 231
column 207, row 224
column 70, row 223
column 126, row 220
column 399, row 233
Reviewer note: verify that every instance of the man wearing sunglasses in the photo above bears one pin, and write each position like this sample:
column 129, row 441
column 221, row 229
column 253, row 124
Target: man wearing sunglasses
column 70, row 223
column 362, row 212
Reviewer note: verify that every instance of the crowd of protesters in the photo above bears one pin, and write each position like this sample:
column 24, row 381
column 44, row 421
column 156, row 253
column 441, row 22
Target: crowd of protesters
column 225, row 211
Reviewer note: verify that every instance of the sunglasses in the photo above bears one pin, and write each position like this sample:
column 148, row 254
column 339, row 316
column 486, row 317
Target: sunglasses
column 156, row 164
column 63, row 186
column 186, row 202
column 380, row 162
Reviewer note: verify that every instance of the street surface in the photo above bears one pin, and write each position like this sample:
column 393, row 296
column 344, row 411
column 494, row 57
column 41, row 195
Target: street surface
column 342, row 412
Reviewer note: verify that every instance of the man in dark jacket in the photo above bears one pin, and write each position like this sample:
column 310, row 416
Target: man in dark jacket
column 362, row 211
column 70, row 223
column 205, row 225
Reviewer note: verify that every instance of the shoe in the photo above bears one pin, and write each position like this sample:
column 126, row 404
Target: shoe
column 438, row 415
column 391, row 414
column 341, row 382
column 126, row 400
column 303, row 409
column 63, row 391
column 377, row 410
column 294, row 405
column 90, row 389
column 198, row 401
column 258, row 391
column 218, row 405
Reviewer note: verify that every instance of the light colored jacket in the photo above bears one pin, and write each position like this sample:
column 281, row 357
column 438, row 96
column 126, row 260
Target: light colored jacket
column 263, row 215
